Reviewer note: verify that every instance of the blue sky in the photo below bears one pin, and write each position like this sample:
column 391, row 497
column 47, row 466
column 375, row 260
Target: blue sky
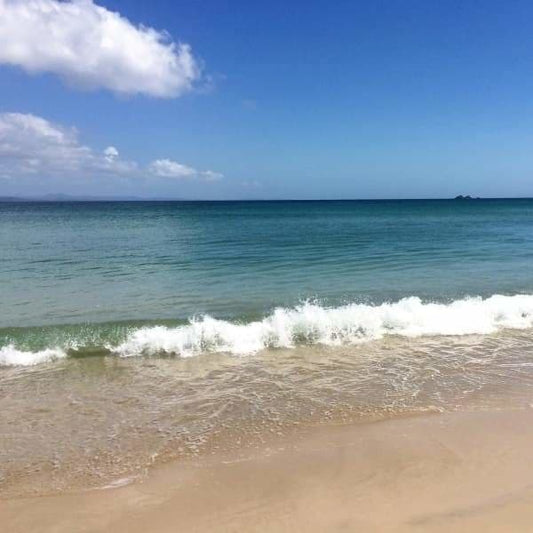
column 320, row 99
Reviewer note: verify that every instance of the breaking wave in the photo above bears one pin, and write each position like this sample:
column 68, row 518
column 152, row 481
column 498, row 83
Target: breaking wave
column 310, row 323
column 10, row 356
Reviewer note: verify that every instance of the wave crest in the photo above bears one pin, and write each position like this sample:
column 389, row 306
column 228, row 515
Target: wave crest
column 309, row 323
column 313, row 324
column 11, row 356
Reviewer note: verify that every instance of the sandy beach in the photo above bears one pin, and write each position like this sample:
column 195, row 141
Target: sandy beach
column 468, row 471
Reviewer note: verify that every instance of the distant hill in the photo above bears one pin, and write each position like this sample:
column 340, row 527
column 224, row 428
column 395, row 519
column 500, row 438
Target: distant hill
column 9, row 199
column 69, row 198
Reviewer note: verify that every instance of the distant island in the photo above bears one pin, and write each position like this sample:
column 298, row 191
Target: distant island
column 467, row 197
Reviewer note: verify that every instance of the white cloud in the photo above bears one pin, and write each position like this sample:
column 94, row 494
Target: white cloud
column 92, row 47
column 110, row 154
column 209, row 175
column 33, row 146
column 166, row 168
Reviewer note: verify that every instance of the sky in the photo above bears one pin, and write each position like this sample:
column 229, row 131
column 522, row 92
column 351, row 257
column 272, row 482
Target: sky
column 266, row 100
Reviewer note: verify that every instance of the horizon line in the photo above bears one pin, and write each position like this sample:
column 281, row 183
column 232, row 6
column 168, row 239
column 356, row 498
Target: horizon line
column 89, row 198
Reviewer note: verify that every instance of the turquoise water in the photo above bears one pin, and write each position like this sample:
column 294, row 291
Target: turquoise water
column 125, row 265
column 134, row 333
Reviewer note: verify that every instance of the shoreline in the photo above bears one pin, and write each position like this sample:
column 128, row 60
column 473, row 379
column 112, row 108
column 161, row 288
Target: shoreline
column 462, row 471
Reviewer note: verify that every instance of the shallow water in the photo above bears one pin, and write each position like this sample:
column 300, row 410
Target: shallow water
column 89, row 421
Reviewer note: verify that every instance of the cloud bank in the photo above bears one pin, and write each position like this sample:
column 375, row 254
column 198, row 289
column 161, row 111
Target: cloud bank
column 33, row 146
column 92, row 47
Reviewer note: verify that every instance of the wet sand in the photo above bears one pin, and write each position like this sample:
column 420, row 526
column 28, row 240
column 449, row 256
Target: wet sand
column 469, row 471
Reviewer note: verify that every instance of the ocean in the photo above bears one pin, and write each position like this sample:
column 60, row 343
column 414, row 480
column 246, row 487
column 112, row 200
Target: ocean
column 136, row 332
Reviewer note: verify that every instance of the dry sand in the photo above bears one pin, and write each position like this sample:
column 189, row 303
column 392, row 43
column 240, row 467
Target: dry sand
column 449, row 472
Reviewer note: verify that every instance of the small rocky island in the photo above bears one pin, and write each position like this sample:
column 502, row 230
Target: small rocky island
column 467, row 197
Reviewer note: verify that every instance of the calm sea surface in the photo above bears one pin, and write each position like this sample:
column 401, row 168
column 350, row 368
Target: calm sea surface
column 96, row 262
column 138, row 330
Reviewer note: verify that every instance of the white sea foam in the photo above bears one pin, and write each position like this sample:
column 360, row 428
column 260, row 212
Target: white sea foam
column 313, row 324
column 309, row 323
column 11, row 356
